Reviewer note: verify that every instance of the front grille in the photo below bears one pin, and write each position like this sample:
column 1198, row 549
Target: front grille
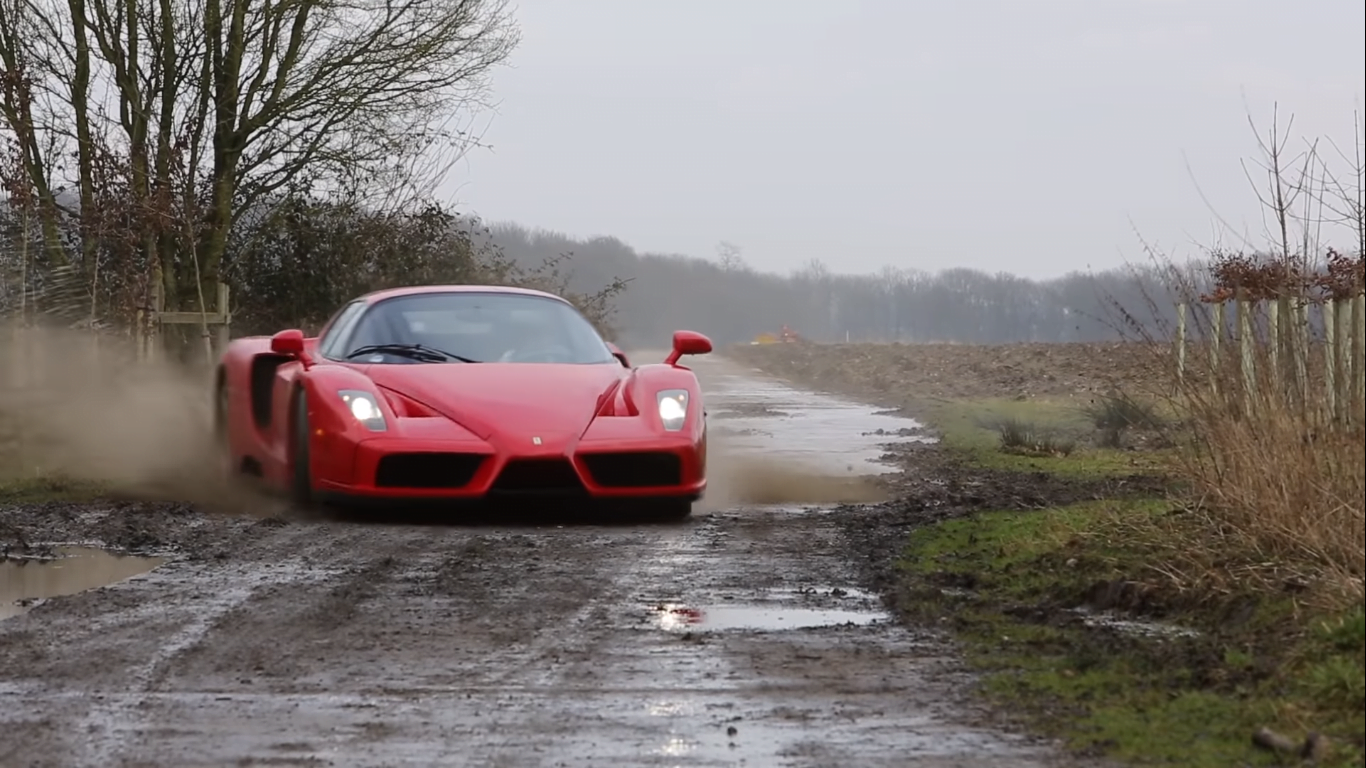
column 539, row 476
column 634, row 470
column 427, row 470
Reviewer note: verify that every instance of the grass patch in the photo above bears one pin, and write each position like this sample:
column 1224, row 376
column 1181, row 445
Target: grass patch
column 36, row 489
column 1049, row 435
column 1211, row 661
column 1027, row 439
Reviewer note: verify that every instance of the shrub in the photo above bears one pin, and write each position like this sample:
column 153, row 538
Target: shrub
column 1025, row 438
column 1113, row 414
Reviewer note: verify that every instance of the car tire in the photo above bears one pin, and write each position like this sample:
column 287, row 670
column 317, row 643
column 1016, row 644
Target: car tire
column 221, row 438
column 301, row 476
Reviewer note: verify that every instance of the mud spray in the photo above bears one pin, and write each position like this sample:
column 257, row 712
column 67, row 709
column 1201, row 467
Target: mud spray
column 83, row 406
column 737, row 476
column 736, row 479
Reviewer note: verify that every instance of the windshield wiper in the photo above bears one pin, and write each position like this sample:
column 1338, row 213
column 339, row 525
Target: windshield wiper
column 414, row 351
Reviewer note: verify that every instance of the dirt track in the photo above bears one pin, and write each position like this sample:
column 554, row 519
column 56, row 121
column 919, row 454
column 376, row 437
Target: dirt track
column 287, row 642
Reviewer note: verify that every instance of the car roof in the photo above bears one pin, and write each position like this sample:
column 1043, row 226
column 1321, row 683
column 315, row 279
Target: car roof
column 415, row 290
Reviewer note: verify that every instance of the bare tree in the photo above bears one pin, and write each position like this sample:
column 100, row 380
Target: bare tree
column 728, row 254
column 1344, row 193
column 208, row 107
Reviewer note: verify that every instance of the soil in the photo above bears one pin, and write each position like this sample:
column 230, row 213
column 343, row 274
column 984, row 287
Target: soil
column 286, row 640
column 900, row 374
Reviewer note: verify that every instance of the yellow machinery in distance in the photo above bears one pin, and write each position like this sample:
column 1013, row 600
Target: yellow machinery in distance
column 785, row 336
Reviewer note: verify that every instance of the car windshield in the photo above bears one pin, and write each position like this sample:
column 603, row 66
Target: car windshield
column 460, row 327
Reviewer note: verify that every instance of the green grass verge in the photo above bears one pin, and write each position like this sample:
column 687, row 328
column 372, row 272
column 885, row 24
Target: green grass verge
column 973, row 429
column 33, row 490
column 1209, row 655
column 1007, row 584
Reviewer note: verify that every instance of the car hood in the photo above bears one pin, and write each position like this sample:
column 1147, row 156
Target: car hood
column 516, row 400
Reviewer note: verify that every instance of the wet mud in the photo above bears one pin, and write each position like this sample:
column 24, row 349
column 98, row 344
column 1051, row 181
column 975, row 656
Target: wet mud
column 755, row 634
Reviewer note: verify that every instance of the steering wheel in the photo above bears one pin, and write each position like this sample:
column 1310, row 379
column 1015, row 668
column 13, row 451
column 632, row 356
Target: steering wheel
column 557, row 353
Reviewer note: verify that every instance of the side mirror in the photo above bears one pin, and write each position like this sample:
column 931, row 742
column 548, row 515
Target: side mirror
column 618, row 354
column 289, row 342
column 688, row 343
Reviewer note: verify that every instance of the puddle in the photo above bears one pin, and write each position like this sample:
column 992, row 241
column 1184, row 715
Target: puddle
column 74, row 569
column 1149, row 629
column 766, row 417
column 675, row 617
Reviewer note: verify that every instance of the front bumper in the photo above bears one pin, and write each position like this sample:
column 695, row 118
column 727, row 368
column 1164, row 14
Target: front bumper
column 406, row 469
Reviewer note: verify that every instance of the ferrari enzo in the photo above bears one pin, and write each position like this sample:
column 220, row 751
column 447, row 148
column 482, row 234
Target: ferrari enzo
column 473, row 393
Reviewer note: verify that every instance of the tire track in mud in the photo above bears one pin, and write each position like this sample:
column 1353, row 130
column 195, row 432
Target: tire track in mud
column 113, row 653
column 556, row 660
column 673, row 697
column 586, row 565
column 214, row 595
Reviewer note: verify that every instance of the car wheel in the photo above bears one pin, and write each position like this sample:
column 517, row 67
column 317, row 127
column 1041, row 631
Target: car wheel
column 301, row 485
column 222, row 442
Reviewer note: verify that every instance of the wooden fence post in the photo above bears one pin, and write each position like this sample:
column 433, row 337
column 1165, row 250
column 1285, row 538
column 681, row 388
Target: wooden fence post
column 1330, row 346
column 1298, row 333
column 1216, row 338
column 1342, row 354
column 1359, row 349
column 155, row 341
column 213, row 325
column 225, row 314
column 1181, row 343
column 1273, row 348
column 1246, row 341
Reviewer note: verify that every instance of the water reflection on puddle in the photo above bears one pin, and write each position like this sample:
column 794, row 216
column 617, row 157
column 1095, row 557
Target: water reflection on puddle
column 675, row 747
column 74, row 569
column 1149, row 629
column 756, row 618
column 757, row 415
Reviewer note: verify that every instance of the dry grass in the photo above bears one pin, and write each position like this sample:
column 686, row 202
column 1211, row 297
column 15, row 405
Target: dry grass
column 1275, row 476
column 1286, row 490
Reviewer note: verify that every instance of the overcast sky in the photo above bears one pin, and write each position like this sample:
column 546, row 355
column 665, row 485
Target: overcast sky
column 1032, row 136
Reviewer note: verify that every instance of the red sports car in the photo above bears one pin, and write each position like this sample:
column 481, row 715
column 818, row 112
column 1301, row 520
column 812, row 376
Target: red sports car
column 463, row 393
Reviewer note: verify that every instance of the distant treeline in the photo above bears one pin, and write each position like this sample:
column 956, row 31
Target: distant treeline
column 732, row 302
column 291, row 260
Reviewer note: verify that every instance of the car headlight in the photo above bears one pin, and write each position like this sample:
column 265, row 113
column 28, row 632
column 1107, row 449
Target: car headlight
column 364, row 408
column 673, row 408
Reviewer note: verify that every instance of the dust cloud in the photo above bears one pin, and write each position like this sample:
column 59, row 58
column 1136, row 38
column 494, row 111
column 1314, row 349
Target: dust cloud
column 736, row 478
column 81, row 405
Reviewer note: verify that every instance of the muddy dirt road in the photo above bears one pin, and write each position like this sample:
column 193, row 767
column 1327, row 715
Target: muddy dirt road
column 738, row 638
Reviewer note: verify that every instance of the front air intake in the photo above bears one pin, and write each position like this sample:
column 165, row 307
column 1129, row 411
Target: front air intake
column 427, row 470
column 539, row 476
column 634, row 470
